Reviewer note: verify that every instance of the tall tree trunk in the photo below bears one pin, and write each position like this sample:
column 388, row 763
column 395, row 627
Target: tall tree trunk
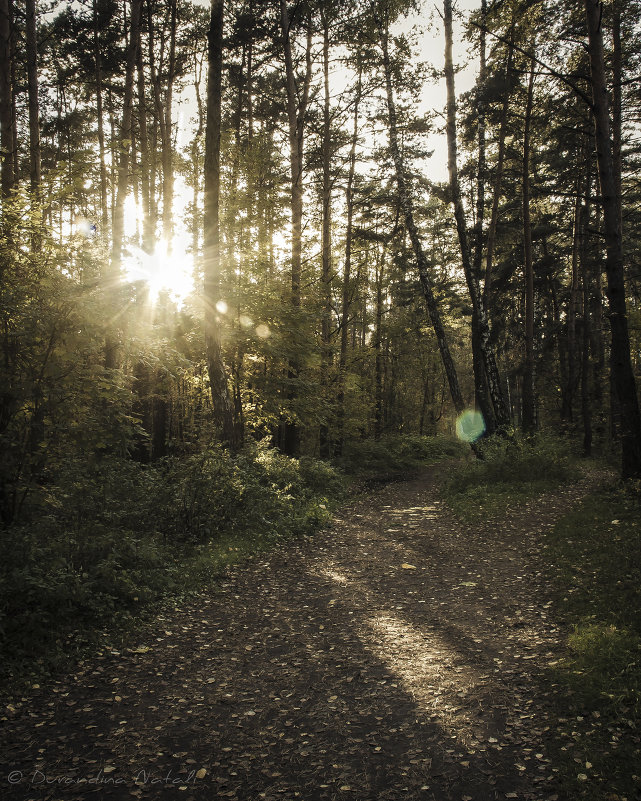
column 158, row 128
column 586, row 366
column 104, row 212
column 617, row 106
column 621, row 362
column 326, row 242
column 6, row 101
column 167, row 161
column 34, row 106
column 408, row 213
column 296, row 112
column 145, row 180
column 118, row 229
column 498, row 180
column 575, row 291
column 377, row 342
column 221, row 399
column 482, row 338
column 480, row 377
column 347, row 269
column 529, row 404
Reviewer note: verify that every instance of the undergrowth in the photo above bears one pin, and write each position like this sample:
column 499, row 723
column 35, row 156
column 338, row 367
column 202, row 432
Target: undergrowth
column 595, row 549
column 397, row 457
column 508, row 470
column 110, row 540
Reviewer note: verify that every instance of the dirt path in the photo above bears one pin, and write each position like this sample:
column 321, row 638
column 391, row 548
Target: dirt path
column 396, row 656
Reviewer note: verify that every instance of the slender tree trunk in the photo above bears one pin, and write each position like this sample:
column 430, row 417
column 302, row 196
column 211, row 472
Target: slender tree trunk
column 575, row 291
column 378, row 355
column 483, row 400
column 586, row 365
column 529, row 404
column 104, row 212
column 347, row 270
column 34, row 106
column 167, row 162
column 482, row 338
column 498, row 180
column 617, row 106
column 621, row 361
column 408, row 213
column 145, row 182
column 221, row 399
column 6, row 101
column 296, row 112
column 158, row 128
column 118, row 229
column 326, row 242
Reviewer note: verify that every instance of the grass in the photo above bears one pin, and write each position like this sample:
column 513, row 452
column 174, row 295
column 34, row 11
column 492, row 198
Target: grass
column 596, row 551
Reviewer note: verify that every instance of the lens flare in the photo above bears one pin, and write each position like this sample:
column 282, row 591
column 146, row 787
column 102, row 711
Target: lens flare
column 221, row 307
column 262, row 330
column 470, row 425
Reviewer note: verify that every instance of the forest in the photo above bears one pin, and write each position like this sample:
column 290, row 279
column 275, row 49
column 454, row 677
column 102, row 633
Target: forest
column 260, row 260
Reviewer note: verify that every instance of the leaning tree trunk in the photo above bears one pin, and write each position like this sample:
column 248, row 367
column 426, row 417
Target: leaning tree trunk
column 407, row 208
column 482, row 337
column 221, row 399
column 620, row 348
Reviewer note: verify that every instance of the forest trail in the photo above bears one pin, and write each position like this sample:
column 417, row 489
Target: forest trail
column 396, row 655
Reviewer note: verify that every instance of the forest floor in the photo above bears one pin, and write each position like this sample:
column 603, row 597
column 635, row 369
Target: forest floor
column 398, row 654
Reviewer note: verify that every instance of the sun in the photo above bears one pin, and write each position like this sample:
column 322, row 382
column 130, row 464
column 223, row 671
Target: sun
column 167, row 269
column 170, row 268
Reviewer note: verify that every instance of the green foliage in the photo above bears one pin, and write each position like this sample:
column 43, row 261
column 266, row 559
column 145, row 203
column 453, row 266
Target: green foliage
column 508, row 469
column 115, row 536
column 595, row 549
column 397, row 456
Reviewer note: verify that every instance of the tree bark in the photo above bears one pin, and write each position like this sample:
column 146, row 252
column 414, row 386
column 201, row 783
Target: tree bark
column 586, row 365
column 498, row 180
column 528, row 420
column 34, row 106
column 296, row 112
column 104, row 212
column 118, row 228
column 482, row 338
column 347, row 269
column 167, row 153
column 621, row 361
column 221, row 398
column 407, row 208
column 326, row 242
column 6, row 102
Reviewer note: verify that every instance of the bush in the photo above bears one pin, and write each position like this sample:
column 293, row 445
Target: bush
column 115, row 536
column 397, row 456
column 507, row 469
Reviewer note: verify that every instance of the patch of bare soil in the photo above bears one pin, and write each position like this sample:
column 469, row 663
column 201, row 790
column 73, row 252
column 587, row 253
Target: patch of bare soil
column 397, row 655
